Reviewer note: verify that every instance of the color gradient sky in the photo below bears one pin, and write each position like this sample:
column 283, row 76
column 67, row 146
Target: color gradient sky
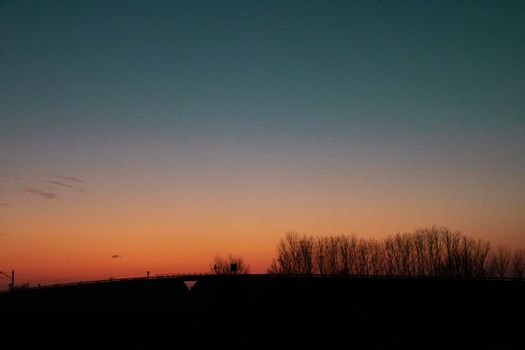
column 170, row 131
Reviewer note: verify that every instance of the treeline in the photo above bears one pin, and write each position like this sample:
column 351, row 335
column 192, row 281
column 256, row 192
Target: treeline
column 427, row 252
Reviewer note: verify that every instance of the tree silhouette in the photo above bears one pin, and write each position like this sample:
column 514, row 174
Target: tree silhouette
column 501, row 261
column 224, row 265
column 295, row 255
column 426, row 252
column 518, row 263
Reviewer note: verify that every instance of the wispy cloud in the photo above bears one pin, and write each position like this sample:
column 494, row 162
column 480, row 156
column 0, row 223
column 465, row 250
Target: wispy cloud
column 63, row 184
column 63, row 178
column 4, row 204
column 76, row 179
column 40, row 193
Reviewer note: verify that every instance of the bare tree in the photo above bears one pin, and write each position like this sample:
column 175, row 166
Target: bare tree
column 451, row 242
column 295, row 255
column 518, row 263
column 482, row 258
column 377, row 257
column 428, row 252
column 501, row 261
column 306, row 255
column 321, row 245
column 275, row 268
column 224, row 266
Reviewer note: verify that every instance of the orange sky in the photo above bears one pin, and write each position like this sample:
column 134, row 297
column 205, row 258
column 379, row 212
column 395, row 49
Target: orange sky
column 164, row 229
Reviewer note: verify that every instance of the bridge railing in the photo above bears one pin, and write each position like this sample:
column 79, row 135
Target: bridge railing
column 125, row 279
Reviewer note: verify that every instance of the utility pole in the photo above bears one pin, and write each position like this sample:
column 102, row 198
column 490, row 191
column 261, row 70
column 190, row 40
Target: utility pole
column 12, row 285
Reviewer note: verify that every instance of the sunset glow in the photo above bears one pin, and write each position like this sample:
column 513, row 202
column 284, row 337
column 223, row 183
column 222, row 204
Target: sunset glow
column 169, row 132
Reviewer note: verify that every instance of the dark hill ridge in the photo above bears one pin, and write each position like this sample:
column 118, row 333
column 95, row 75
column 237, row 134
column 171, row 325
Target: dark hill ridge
column 266, row 312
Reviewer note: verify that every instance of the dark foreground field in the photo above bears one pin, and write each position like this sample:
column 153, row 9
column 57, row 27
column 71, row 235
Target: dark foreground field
column 267, row 312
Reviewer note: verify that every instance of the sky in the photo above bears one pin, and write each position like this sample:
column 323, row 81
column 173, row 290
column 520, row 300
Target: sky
column 166, row 132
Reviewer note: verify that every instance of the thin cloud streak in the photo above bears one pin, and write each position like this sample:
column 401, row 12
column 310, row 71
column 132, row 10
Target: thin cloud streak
column 65, row 178
column 58, row 183
column 40, row 193
column 76, row 179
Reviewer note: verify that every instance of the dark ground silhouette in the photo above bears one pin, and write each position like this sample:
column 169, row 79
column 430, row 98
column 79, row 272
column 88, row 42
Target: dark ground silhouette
column 270, row 312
